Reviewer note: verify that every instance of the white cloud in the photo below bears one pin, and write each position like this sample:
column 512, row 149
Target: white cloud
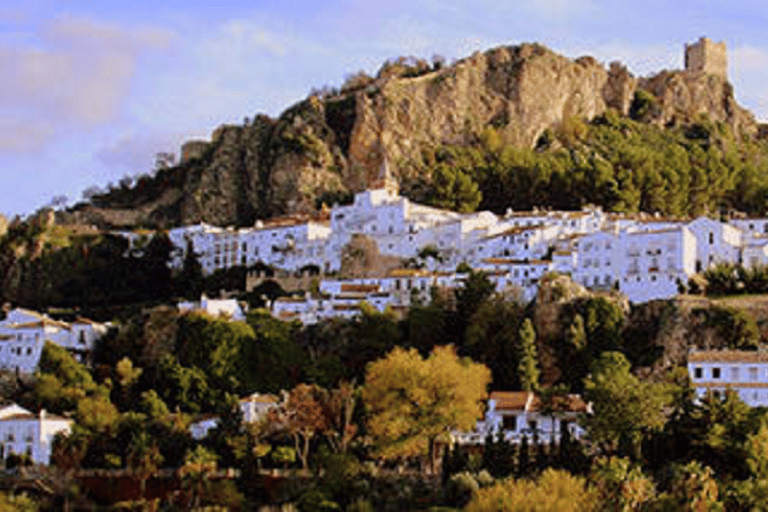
column 77, row 72
column 22, row 137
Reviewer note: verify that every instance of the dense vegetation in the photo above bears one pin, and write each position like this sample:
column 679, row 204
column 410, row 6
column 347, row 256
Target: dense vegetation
column 619, row 163
column 352, row 388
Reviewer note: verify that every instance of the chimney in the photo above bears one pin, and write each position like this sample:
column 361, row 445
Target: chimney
column 42, row 414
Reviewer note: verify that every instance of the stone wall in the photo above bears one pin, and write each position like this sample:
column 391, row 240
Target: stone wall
column 707, row 56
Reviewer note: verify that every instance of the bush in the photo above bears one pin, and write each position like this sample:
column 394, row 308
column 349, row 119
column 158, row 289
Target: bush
column 460, row 489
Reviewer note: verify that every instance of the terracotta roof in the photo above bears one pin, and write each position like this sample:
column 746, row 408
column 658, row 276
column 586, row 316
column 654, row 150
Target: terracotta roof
column 362, row 288
column 407, row 272
column 727, row 356
column 290, row 299
column 509, row 400
column 528, row 401
column 346, row 307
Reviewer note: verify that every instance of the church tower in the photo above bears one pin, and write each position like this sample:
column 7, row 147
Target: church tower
column 386, row 180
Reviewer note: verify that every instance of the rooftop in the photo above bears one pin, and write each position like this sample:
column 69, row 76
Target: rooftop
column 727, row 356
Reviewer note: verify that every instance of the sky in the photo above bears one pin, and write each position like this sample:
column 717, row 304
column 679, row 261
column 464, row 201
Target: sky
column 91, row 91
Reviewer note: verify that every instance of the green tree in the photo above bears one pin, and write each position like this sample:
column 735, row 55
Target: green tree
column 621, row 486
column 491, row 338
column 412, row 402
column 528, row 369
column 198, row 465
column 190, row 281
column 553, row 490
column 143, row 458
column 623, row 405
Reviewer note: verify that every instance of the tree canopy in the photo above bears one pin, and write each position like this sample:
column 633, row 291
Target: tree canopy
column 412, row 401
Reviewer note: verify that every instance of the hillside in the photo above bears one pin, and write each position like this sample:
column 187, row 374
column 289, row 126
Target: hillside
column 328, row 145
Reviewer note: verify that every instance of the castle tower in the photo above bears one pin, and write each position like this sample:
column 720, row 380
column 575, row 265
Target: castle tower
column 386, row 179
column 706, row 56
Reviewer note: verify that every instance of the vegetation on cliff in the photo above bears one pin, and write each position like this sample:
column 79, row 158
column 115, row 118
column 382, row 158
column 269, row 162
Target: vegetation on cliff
column 566, row 132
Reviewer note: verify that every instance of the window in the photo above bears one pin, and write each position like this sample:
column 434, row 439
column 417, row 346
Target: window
column 715, row 373
column 734, row 373
column 753, row 373
column 711, row 238
column 698, row 373
column 509, row 422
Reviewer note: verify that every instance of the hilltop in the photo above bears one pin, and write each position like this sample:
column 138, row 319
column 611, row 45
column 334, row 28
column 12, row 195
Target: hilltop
column 333, row 143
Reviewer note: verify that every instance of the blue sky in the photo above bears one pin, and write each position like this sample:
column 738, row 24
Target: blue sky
column 90, row 91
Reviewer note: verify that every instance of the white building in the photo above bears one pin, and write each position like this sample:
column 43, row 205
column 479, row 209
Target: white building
column 522, row 413
column 25, row 433
column 655, row 264
column 745, row 372
column 715, row 242
column 254, row 408
column 23, row 334
column 229, row 308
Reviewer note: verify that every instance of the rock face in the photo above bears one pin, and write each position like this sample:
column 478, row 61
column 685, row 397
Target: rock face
column 684, row 95
column 319, row 148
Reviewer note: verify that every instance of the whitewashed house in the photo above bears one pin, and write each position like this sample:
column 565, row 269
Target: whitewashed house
column 716, row 242
column 229, row 308
column 25, row 433
column 656, row 264
column 522, row 413
column 742, row 371
column 254, row 408
column 23, row 334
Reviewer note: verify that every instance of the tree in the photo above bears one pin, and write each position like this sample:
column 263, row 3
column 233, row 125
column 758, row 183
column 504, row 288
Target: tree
column 412, row 402
column 553, row 490
column 528, row 370
column 621, row 486
column 68, row 451
column 693, row 489
column 338, row 406
column 624, row 406
column 97, row 413
column 190, row 282
column 302, row 417
column 491, row 338
column 143, row 458
column 198, row 464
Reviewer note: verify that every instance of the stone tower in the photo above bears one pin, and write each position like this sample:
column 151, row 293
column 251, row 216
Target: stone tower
column 386, row 179
column 706, row 56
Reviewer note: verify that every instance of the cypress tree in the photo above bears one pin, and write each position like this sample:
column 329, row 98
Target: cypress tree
column 528, row 369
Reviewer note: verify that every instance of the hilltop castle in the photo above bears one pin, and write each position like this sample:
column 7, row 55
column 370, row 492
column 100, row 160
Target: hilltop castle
column 706, row 56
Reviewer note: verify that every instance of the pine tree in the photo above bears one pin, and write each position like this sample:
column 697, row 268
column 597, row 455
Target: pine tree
column 190, row 281
column 524, row 458
column 528, row 369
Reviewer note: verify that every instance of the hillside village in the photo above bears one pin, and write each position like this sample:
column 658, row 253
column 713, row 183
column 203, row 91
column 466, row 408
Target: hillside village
column 645, row 257
column 415, row 357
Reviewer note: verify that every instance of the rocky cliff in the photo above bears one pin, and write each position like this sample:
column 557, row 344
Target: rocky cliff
column 321, row 148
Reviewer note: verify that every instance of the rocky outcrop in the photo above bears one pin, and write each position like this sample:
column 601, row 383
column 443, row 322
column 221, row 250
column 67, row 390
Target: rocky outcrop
column 319, row 148
column 684, row 96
